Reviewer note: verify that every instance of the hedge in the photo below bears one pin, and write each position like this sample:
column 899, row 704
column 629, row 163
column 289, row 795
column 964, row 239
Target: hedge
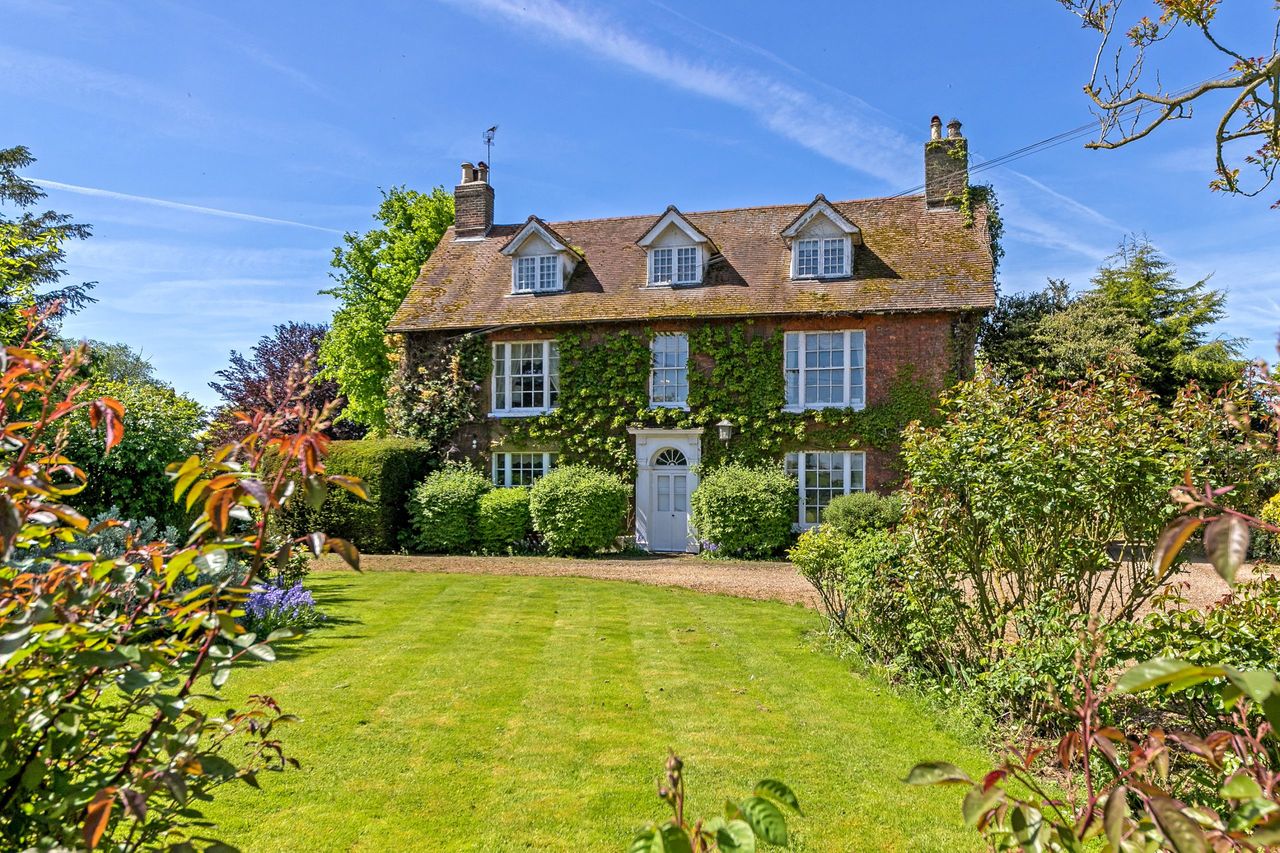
column 389, row 467
column 503, row 521
column 444, row 509
column 579, row 509
column 862, row 512
column 744, row 512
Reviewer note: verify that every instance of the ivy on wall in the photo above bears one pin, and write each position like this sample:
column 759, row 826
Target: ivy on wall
column 735, row 373
column 434, row 389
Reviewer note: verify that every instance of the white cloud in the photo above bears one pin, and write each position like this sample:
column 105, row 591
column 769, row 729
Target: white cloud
column 177, row 205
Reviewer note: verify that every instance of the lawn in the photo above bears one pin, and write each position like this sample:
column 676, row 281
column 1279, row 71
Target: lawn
column 460, row 712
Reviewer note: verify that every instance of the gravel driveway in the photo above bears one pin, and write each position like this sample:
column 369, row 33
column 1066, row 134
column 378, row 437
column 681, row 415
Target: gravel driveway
column 766, row 581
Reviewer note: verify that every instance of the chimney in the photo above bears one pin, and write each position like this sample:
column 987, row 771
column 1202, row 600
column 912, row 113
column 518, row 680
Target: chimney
column 946, row 164
column 473, row 202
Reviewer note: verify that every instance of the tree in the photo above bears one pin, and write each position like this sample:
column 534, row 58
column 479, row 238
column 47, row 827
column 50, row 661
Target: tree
column 257, row 381
column 1136, row 316
column 32, row 249
column 1131, row 103
column 374, row 273
column 160, row 425
column 118, row 361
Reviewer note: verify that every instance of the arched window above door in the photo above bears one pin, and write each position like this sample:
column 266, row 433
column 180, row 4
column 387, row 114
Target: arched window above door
column 669, row 457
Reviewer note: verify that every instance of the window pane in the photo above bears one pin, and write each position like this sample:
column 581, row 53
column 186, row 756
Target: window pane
column 525, row 468
column 528, row 380
column 553, row 374
column 806, row 257
column 833, row 257
column 824, row 478
column 679, row 497
column 791, row 368
column 548, row 272
column 857, row 472
column 857, row 371
column 669, row 378
column 526, row 274
column 687, row 265
column 824, row 375
column 660, row 272
column 664, row 493
column 499, row 376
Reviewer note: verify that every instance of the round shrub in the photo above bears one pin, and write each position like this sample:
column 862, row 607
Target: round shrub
column 579, row 509
column 503, row 522
column 862, row 512
column 744, row 512
column 443, row 510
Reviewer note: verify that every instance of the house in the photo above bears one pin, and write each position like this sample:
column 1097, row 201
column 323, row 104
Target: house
column 845, row 297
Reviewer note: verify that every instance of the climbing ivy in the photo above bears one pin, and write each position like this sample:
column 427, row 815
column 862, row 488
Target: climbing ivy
column 984, row 196
column 430, row 397
column 735, row 373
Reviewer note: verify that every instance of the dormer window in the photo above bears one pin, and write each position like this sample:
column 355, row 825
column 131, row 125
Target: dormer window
column 677, row 250
column 541, row 260
column 820, row 257
column 822, row 242
column 534, row 273
column 678, row 265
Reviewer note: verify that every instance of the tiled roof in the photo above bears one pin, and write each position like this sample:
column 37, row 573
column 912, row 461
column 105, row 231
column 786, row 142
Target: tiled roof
column 912, row 259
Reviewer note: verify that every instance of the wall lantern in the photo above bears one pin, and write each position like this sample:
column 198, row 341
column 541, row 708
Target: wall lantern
column 726, row 429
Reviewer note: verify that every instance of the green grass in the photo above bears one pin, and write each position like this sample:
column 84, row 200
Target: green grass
column 457, row 712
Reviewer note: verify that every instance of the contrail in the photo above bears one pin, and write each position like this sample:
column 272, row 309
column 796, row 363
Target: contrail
column 177, row 205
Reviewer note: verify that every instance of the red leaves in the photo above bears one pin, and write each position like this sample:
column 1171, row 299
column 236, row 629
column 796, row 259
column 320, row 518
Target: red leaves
column 109, row 413
column 97, row 815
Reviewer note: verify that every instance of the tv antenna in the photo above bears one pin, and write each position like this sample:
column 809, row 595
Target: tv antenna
column 488, row 145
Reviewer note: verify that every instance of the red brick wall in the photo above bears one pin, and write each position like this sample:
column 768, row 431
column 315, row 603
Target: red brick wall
column 936, row 344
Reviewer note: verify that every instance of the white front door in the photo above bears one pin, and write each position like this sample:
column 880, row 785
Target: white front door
column 669, row 510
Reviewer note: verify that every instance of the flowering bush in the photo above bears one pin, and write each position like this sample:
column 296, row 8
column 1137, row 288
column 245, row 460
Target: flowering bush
column 271, row 607
column 103, row 744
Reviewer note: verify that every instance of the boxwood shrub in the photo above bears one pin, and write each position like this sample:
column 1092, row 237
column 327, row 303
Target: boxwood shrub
column 389, row 467
column 863, row 512
column 579, row 509
column 444, row 510
column 744, row 512
column 503, row 522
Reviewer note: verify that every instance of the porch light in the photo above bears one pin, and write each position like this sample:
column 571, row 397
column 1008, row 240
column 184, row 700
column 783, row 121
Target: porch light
column 726, row 429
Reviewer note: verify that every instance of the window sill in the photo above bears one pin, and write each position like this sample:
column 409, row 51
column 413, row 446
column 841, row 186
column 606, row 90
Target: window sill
column 672, row 285
column 684, row 407
column 536, row 292
column 800, row 410
column 520, row 413
column 821, row 279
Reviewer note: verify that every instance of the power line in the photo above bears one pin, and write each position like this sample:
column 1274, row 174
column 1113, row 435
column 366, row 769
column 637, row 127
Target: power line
column 1057, row 139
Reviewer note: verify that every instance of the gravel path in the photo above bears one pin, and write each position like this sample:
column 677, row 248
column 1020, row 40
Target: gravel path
column 765, row 581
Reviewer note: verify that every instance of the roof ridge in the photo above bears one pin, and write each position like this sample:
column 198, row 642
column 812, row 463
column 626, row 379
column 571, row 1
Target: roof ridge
column 800, row 204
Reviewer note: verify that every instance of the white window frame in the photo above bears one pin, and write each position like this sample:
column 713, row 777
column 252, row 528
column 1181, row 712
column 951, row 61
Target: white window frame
column 854, row 347
column 539, row 264
column 797, row 466
column 824, row 243
column 682, row 347
column 500, row 379
column 674, row 280
column 500, row 466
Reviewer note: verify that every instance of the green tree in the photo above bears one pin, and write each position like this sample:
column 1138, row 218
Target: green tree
column 1174, row 343
column 374, row 273
column 119, row 361
column 160, row 425
column 32, row 249
column 1007, row 338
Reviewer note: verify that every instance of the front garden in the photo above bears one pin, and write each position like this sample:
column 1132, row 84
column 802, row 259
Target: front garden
column 458, row 712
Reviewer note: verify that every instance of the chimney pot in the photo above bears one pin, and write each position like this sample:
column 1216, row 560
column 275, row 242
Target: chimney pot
column 953, row 129
column 935, row 128
column 482, row 172
column 468, row 173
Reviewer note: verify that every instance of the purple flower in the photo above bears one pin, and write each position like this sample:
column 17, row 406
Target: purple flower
column 270, row 607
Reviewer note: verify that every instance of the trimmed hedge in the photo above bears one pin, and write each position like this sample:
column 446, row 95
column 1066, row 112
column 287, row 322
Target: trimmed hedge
column 863, row 512
column 389, row 467
column 579, row 509
column 744, row 512
column 503, row 521
column 443, row 510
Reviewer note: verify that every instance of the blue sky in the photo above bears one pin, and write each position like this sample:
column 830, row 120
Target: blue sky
column 220, row 150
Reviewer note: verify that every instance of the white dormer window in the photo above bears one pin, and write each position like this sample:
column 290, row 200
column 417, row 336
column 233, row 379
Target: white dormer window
column 679, row 265
column 820, row 257
column 822, row 242
column 676, row 249
column 536, row 274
